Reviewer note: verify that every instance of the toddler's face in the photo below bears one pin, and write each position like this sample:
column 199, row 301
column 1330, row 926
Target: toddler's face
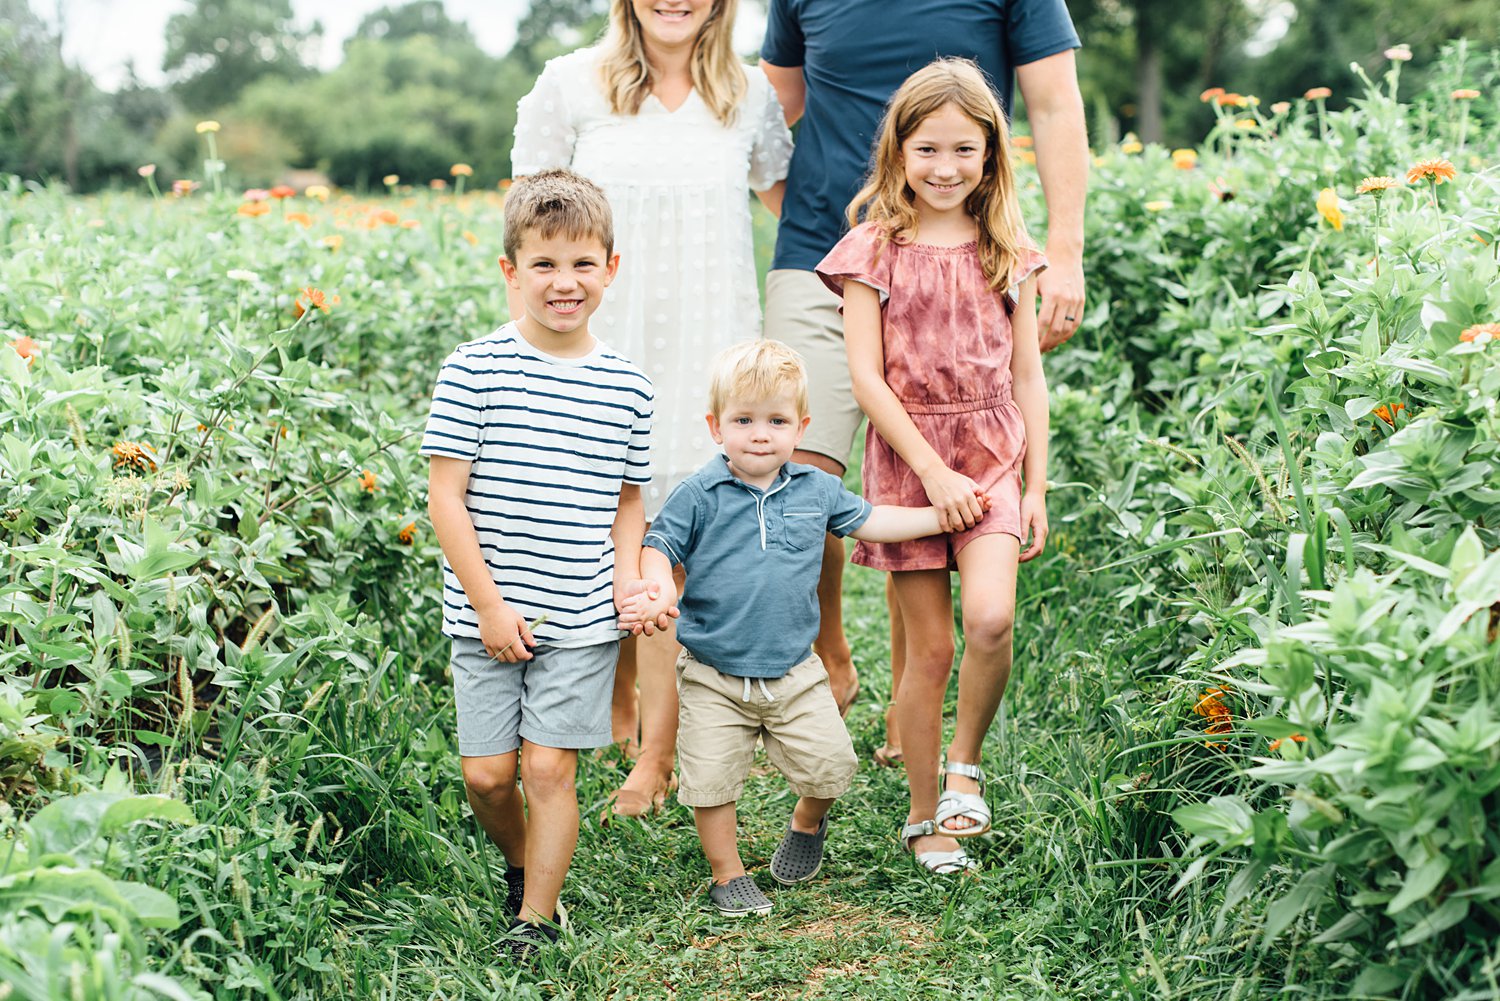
column 758, row 435
column 944, row 158
column 561, row 279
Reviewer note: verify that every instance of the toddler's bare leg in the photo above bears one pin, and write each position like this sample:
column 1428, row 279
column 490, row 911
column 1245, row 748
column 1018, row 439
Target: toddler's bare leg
column 718, row 832
column 808, row 814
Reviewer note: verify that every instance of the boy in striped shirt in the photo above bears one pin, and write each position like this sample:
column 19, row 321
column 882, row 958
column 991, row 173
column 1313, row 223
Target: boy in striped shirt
column 538, row 444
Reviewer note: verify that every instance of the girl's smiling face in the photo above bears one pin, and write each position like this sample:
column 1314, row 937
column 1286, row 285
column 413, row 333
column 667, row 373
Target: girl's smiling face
column 944, row 160
column 672, row 23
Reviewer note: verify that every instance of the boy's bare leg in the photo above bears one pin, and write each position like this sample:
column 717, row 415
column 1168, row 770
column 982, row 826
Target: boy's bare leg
column 831, row 646
column 548, row 774
column 491, row 784
column 647, row 785
column 717, row 831
column 624, row 708
column 808, row 814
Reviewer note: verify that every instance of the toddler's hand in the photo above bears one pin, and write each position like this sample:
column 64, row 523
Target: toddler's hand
column 646, row 609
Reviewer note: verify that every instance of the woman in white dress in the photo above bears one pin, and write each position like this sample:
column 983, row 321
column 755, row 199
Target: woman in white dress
column 675, row 128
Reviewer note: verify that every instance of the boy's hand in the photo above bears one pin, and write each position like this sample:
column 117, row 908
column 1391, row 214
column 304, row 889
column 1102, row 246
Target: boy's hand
column 505, row 635
column 643, row 608
column 1034, row 524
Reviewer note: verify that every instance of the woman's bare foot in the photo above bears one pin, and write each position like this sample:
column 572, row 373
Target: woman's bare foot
column 644, row 790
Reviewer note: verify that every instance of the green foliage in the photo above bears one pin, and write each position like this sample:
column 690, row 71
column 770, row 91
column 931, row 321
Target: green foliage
column 217, row 48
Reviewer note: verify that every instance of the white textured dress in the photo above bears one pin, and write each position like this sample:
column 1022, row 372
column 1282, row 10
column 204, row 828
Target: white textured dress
column 679, row 183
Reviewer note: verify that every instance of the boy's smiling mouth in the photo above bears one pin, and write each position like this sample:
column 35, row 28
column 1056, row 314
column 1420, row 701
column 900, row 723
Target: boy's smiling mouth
column 564, row 305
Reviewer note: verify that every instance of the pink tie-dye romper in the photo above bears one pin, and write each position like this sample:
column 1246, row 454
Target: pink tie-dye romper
column 947, row 342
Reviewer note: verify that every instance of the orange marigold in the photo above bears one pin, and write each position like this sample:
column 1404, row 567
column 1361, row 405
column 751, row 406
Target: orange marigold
column 1317, row 94
column 1295, row 738
column 367, row 481
column 1388, row 413
column 1210, row 94
column 134, row 454
column 1438, row 169
column 25, row 347
column 408, row 534
column 1487, row 331
column 1377, row 185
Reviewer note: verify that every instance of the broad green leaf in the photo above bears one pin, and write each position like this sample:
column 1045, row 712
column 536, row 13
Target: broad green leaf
column 152, row 907
column 1308, row 890
column 1419, row 883
column 128, row 811
column 1452, row 911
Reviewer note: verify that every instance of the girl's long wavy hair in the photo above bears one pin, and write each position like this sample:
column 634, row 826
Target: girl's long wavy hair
column 888, row 200
column 718, row 74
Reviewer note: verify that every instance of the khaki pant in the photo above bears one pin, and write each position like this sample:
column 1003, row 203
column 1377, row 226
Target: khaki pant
column 803, row 313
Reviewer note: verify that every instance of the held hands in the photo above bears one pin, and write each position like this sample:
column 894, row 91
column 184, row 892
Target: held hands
column 1033, row 524
column 959, row 502
column 505, row 634
column 643, row 607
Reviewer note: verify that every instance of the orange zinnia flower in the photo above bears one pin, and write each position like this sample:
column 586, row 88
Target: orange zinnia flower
column 408, row 534
column 461, row 170
column 315, row 299
column 505, row 184
column 1488, row 331
column 1465, row 94
column 387, row 216
column 253, row 209
column 470, row 238
column 1437, row 169
column 135, row 454
column 1281, row 107
column 1184, row 159
column 1317, row 94
column 332, row 241
column 367, row 481
column 1210, row 94
column 1232, row 100
column 283, row 191
column 1021, row 142
column 300, row 218
column 1296, row 738
column 1388, row 413
column 438, row 184
column 184, row 186
column 1377, row 185
column 25, row 347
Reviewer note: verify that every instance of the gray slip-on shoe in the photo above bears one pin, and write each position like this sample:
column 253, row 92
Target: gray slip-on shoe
column 738, row 897
column 799, row 856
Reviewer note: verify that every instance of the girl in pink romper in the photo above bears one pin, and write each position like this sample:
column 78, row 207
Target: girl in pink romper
column 940, row 328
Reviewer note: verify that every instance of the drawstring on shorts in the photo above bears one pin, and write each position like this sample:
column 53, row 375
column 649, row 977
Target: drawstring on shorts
column 763, row 691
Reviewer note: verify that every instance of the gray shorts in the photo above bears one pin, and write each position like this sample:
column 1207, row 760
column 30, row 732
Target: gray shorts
column 558, row 698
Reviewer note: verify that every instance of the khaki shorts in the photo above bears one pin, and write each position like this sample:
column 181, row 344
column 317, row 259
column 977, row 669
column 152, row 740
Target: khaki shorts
column 804, row 736
column 804, row 314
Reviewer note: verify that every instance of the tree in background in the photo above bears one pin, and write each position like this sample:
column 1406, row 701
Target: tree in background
column 219, row 47
column 420, row 17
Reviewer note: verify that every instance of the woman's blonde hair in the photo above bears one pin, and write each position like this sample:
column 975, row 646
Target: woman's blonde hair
column 888, row 200
column 718, row 73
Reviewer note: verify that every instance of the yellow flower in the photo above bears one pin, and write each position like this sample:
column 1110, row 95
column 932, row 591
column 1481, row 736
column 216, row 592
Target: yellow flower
column 461, row 170
column 135, row 455
column 1184, row 159
column 1159, row 206
column 1130, row 147
column 1328, row 208
column 1026, row 156
column 391, row 180
column 318, row 191
column 1377, row 186
column 1246, row 124
column 207, row 126
column 1438, row 170
column 470, row 238
column 332, row 241
column 1281, row 107
column 1232, row 100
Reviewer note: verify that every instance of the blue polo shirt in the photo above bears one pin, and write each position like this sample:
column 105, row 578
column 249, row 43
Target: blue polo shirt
column 752, row 558
column 854, row 54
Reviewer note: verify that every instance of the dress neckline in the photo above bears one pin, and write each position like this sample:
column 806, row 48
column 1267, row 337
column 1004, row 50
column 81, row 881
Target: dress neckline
column 935, row 248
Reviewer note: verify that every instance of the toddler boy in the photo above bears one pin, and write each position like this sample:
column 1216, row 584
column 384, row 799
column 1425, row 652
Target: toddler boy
column 748, row 528
column 538, row 440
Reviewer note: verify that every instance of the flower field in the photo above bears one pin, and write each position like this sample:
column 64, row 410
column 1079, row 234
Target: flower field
column 1253, row 742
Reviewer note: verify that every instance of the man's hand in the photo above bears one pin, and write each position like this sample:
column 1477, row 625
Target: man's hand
column 1060, row 288
column 505, row 635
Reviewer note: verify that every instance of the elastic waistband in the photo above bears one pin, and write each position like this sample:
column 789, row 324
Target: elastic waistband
column 957, row 406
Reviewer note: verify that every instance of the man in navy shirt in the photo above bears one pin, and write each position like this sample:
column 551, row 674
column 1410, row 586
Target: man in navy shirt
column 834, row 64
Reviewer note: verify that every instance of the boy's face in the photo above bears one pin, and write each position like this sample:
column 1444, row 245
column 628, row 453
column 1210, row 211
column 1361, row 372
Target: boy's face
column 758, row 436
column 561, row 280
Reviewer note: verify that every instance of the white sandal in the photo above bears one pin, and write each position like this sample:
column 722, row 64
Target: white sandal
column 963, row 804
column 940, row 863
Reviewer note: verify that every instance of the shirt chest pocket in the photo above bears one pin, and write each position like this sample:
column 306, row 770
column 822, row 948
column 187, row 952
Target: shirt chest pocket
column 804, row 529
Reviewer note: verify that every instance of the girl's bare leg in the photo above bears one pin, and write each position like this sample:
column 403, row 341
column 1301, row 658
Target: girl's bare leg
column 987, row 583
column 925, row 599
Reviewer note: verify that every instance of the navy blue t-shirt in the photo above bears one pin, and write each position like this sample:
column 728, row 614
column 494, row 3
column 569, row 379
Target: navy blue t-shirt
column 854, row 54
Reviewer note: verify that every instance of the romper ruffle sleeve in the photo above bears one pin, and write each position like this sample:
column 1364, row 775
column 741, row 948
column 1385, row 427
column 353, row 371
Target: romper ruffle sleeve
column 545, row 130
column 771, row 151
column 861, row 256
column 1032, row 262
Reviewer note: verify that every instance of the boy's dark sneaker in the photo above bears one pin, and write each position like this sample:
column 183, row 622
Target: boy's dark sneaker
column 515, row 890
column 738, row 897
column 524, row 938
column 799, row 856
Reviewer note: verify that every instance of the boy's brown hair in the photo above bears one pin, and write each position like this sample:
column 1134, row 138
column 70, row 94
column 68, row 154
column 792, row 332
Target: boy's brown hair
column 557, row 201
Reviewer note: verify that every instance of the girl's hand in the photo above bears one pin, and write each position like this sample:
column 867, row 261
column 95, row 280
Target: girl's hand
column 1034, row 524
column 957, row 498
column 505, row 635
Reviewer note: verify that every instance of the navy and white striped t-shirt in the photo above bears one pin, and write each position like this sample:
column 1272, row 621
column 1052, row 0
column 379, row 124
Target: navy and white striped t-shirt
column 550, row 441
